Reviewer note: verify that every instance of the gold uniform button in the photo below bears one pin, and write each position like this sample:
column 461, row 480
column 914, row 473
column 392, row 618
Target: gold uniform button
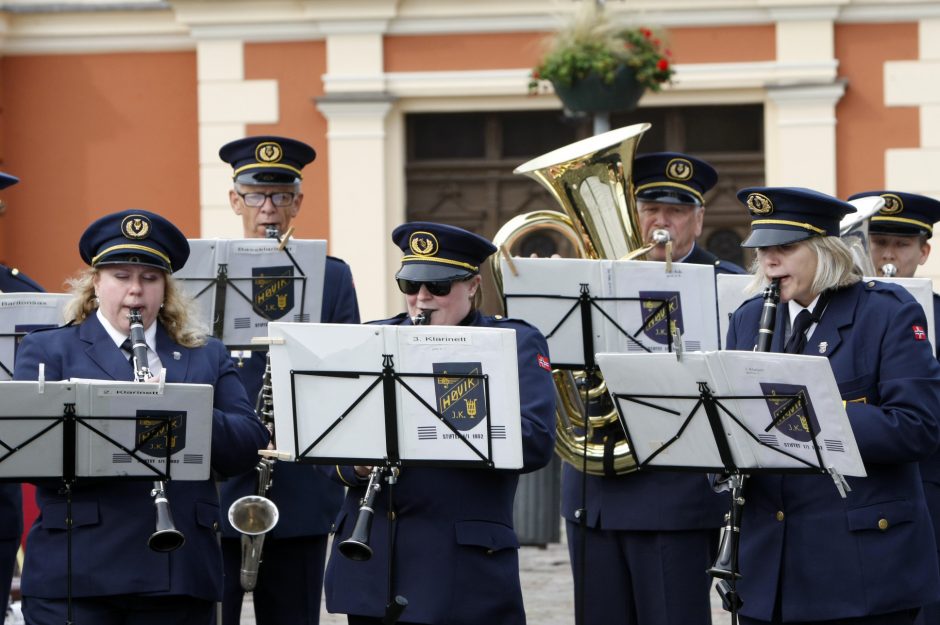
column 871, row 284
column 882, row 524
column 779, row 515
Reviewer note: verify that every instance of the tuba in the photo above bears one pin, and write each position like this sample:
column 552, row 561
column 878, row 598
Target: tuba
column 853, row 230
column 592, row 181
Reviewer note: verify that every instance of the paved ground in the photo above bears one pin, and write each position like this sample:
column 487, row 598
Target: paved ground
column 546, row 588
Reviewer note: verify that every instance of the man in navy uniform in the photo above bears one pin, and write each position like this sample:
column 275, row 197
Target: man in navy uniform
column 12, row 280
column 808, row 555
column 898, row 235
column 266, row 193
column 645, row 540
column 670, row 196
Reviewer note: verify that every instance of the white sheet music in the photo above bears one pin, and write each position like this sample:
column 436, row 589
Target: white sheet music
column 688, row 291
column 24, row 312
column 308, row 406
column 731, row 295
column 263, row 283
column 30, row 410
column 787, row 445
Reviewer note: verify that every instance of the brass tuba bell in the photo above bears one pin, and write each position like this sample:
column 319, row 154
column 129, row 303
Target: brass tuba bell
column 592, row 181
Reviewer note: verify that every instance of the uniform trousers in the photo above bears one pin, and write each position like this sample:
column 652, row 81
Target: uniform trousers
column 904, row 617
column 290, row 581
column 642, row 577
column 120, row 610
column 8, row 549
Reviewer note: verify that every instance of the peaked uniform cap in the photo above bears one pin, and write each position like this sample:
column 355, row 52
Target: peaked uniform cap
column 436, row 251
column 267, row 159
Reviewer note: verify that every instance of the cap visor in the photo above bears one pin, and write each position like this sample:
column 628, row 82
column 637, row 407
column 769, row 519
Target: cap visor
column 430, row 272
column 767, row 237
column 668, row 196
column 266, row 177
column 897, row 231
column 137, row 259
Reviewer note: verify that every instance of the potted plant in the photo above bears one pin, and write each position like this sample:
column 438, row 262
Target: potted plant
column 595, row 65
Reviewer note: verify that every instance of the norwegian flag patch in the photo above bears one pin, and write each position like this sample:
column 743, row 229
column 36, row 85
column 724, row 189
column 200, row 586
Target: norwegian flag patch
column 543, row 362
column 919, row 333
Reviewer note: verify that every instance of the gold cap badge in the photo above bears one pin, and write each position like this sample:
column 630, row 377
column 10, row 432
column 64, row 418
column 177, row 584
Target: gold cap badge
column 679, row 169
column 893, row 204
column 759, row 204
column 423, row 243
column 135, row 227
column 268, row 152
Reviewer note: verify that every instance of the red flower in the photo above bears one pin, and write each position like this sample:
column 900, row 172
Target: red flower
column 663, row 65
column 646, row 32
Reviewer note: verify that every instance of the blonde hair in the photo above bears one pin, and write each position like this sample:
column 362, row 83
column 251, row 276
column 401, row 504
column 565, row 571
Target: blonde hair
column 177, row 315
column 835, row 266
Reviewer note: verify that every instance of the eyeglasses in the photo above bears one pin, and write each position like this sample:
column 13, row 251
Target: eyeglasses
column 278, row 198
column 437, row 288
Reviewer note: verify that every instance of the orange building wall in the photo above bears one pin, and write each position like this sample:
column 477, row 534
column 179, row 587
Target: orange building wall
column 866, row 127
column 723, row 44
column 93, row 134
column 298, row 68
column 409, row 53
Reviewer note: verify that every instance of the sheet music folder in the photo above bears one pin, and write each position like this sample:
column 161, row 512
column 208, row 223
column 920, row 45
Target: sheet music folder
column 453, row 393
column 778, row 413
column 240, row 285
column 633, row 305
column 21, row 313
column 117, row 429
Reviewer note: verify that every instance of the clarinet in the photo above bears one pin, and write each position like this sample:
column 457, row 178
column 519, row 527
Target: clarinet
column 423, row 318
column 255, row 515
column 725, row 567
column 166, row 537
column 356, row 547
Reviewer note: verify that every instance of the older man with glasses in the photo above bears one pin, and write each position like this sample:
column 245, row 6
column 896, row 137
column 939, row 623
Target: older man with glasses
column 267, row 195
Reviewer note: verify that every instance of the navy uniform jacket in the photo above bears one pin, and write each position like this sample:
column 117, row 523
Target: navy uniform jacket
column 15, row 281
column 113, row 521
column 873, row 552
column 653, row 500
column 930, row 468
column 11, row 495
column 456, row 553
column 307, row 502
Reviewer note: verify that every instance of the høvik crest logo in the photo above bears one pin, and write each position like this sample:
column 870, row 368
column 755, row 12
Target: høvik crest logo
column 661, row 313
column 272, row 291
column 460, row 398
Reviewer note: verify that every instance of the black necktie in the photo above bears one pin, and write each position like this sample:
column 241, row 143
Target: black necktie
column 127, row 350
column 797, row 340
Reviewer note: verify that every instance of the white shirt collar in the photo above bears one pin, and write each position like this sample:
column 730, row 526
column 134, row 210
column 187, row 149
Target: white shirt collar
column 150, row 334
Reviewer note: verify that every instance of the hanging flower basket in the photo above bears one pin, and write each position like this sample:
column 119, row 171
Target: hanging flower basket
column 592, row 94
column 596, row 65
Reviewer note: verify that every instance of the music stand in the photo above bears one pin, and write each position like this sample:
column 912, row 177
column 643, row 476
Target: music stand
column 240, row 285
column 64, row 430
column 397, row 396
column 21, row 313
column 733, row 413
column 607, row 295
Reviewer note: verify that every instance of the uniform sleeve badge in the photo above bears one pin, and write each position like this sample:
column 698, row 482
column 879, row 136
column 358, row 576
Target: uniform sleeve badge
column 919, row 333
column 543, row 362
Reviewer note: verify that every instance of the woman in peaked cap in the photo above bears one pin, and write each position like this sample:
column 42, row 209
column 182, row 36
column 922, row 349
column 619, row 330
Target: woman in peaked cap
column 807, row 555
column 115, row 577
column 455, row 550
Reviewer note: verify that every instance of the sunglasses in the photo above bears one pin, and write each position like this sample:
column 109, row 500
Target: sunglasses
column 438, row 288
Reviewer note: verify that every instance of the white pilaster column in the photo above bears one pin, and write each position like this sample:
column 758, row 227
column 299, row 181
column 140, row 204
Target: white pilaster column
column 800, row 119
column 227, row 102
column 800, row 132
column 359, row 221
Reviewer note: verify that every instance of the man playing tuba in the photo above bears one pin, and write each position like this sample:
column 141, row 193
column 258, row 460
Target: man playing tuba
column 648, row 538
